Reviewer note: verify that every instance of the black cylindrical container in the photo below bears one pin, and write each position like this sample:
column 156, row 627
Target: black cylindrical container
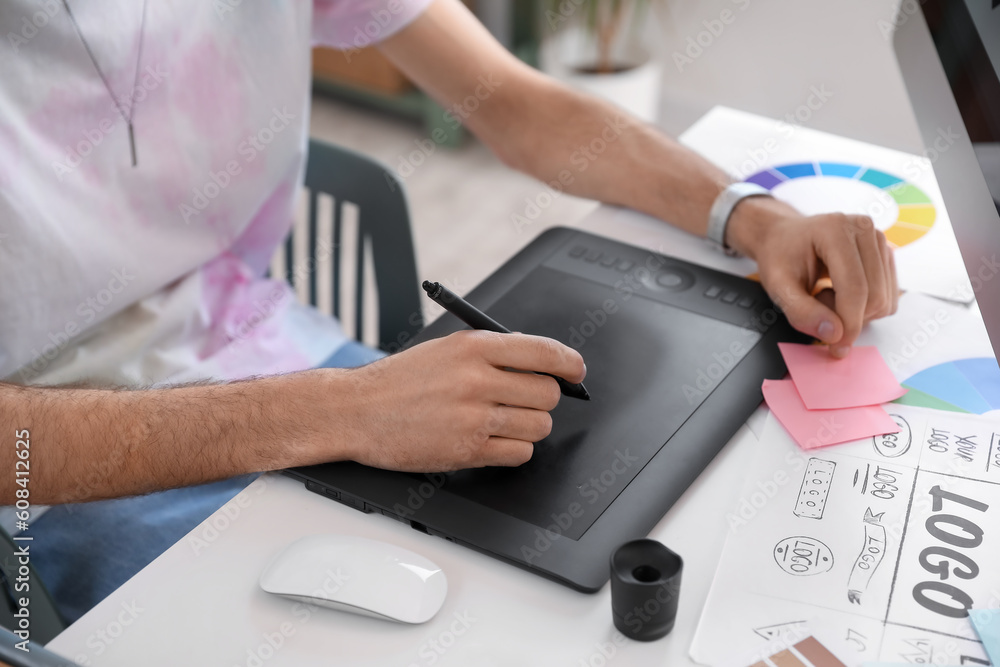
column 645, row 587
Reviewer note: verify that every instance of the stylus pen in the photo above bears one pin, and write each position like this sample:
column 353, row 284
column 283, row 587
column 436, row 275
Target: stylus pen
column 477, row 319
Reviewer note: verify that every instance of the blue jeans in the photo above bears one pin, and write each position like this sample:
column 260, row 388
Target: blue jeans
column 84, row 551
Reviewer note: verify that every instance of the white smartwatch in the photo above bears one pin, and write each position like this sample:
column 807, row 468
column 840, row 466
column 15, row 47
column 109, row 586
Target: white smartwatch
column 722, row 210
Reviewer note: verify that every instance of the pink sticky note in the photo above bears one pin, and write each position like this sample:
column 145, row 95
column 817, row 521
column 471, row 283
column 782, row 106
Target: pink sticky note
column 827, row 383
column 818, row 428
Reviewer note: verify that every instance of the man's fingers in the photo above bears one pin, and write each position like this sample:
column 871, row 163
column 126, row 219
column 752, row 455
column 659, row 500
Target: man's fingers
column 870, row 242
column 525, row 390
column 890, row 261
column 522, row 424
column 808, row 314
column 850, row 283
column 533, row 353
column 500, row 451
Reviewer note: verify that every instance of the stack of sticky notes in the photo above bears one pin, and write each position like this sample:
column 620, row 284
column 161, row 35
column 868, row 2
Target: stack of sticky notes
column 828, row 400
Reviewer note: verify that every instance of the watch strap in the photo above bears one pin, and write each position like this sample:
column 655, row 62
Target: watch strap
column 722, row 210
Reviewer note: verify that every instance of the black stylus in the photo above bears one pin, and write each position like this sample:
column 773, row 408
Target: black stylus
column 477, row 319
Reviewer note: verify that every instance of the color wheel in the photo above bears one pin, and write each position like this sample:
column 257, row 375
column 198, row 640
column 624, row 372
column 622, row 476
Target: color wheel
column 966, row 385
column 916, row 210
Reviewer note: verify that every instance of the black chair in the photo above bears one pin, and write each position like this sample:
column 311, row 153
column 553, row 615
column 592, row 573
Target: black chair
column 383, row 228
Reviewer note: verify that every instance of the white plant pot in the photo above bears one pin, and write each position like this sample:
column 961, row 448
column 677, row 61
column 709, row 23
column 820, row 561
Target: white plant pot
column 636, row 89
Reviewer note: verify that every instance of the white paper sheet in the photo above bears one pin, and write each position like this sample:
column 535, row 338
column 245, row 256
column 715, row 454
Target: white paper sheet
column 926, row 331
column 838, row 535
column 743, row 144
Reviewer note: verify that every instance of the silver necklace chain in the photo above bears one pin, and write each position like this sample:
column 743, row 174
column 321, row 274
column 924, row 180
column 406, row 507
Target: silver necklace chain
column 127, row 117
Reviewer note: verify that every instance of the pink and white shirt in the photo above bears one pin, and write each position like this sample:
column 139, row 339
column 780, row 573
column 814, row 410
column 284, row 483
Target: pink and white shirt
column 153, row 274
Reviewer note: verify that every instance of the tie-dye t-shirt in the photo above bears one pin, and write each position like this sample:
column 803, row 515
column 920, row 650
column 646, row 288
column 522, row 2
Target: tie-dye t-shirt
column 154, row 274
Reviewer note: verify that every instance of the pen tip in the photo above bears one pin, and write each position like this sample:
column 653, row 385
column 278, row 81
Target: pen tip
column 428, row 286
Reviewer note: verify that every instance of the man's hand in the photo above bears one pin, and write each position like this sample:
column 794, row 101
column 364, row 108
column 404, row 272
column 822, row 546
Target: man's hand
column 443, row 405
column 450, row 403
column 541, row 127
column 795, row 252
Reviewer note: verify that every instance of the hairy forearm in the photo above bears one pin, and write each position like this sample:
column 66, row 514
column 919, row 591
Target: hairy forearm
column 588, row 147
column 88, row 444
column 593, row 149
column 596, row 150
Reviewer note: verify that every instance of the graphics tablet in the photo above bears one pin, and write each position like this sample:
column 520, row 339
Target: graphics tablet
column 675, row 355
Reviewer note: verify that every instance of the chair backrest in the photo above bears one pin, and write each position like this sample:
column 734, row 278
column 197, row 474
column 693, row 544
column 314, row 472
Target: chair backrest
column 383, row 232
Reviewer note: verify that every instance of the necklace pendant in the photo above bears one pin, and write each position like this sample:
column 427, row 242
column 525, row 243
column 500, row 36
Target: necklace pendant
column 131, row 144
column 135, row 82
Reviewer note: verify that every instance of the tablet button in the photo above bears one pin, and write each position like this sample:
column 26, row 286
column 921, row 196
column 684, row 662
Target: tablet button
column 577, row 251
column 609, row 261
column 625, row 265
column 593, row 256
column 730, row 297
column 669, row 280
column 745, row 302
column 672, row 279
column 713, row 292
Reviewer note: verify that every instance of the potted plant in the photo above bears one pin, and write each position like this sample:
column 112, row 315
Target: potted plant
column 602, row 46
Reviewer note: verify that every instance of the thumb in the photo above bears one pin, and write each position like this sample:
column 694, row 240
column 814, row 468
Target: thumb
column 807, row 313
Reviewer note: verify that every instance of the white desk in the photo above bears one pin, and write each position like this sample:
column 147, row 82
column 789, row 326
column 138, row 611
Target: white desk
column 200, row 603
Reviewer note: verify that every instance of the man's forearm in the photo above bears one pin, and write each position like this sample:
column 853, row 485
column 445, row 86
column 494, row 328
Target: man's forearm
column 88, row 444
column 603, row 153
column 593, row 149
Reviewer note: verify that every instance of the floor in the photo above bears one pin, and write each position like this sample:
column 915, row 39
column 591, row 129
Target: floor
column 768, row 58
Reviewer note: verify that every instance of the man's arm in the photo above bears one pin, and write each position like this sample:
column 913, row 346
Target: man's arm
column 446, row 404
column 545, row 129
column 89, row 444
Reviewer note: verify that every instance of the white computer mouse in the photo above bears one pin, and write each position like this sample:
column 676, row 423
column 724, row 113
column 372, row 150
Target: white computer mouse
column 358, row 575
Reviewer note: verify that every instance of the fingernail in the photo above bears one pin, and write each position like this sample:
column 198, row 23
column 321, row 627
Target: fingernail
column 825, row 330
column 840, row 351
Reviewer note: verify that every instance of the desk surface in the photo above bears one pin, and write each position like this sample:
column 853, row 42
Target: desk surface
column 199, row 603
